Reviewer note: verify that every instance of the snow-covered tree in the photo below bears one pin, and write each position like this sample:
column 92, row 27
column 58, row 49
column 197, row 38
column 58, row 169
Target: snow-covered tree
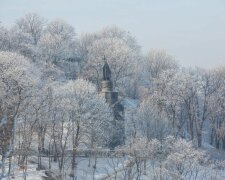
column 58, row 46
column 17, row 80
column 31, row 24
column 151, row 121
column 82, row 117
column 120, row 50
column 4, row 39
column 154, row 64
column 184, row 162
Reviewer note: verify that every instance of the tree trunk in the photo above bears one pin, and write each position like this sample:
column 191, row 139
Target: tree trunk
column 217, row 142
column 199, row 138
column 192, row 129
column 212, row 137
column 3, row 166
column 223, row 146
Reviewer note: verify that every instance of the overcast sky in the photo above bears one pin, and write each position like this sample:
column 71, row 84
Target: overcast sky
column 191, row 30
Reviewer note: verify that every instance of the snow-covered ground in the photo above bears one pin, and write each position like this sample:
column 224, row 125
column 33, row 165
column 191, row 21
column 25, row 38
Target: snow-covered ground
column 106, row 168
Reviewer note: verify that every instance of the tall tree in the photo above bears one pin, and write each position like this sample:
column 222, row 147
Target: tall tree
column 121, row 51
column 17, row 80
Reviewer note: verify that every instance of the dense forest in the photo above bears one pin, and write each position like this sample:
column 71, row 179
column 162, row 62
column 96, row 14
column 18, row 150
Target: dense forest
column 51, row 109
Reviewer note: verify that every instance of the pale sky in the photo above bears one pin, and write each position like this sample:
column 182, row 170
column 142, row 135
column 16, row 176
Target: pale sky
column 191, row 30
